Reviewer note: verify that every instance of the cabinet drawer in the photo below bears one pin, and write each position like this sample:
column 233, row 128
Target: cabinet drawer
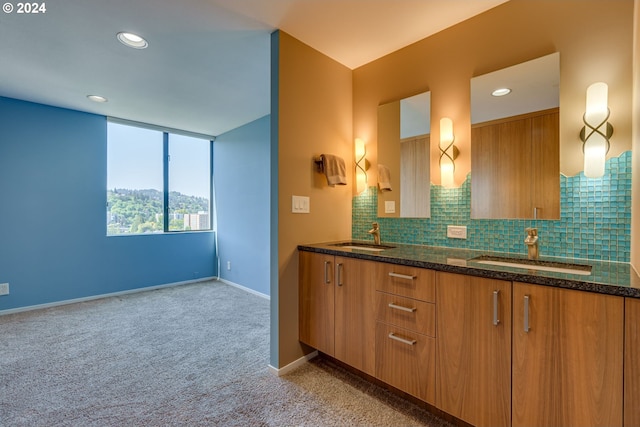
column 407, row 313
column 407, row 361
column 412, row 282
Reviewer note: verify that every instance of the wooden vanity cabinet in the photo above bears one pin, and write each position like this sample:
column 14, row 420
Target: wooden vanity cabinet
column 337, row 308
column 316, row 305
column 406, row 329
column 489, row 352
column 631, row 364
column 567, row 357
column 473, row 379
column 355, row 313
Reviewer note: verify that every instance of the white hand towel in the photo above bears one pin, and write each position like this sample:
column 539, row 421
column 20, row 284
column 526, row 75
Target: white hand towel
column 384, row 178
column 335, row 169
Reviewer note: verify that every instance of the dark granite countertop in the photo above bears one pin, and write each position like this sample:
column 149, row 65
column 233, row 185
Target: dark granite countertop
column 612, row 278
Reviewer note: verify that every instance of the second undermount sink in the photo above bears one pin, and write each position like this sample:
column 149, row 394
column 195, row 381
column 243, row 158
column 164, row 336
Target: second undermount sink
column 530, row 264
column 363, row 246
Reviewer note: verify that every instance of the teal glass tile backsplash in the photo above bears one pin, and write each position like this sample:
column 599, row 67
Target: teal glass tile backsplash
column 595, row 220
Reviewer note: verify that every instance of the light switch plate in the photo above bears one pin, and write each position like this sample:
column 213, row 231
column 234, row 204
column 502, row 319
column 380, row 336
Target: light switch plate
column 300, row 204
column 390, row 206
column 457, row 231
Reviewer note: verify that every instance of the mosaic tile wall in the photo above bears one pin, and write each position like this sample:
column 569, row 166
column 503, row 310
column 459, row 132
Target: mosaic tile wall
column 595, row 219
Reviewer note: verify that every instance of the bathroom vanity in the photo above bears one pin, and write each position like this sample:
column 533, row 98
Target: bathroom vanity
column 491, row 344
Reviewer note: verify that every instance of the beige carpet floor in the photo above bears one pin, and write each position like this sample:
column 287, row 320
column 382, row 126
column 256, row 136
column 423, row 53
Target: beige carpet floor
column 192, row 355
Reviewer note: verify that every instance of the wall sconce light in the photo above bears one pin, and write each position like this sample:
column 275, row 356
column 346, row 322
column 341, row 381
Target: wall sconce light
column 361, row 166
column 448, row 153
column 596, row 131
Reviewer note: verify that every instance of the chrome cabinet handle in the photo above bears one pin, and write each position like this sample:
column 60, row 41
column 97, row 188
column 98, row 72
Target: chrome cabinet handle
column 526, row 313
column 403, row 308
column 340, row 274
column 402, row 340
column 401, row 276
column 496, row 321
column 327, row 279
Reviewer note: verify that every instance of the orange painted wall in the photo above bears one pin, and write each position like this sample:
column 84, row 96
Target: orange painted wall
column 314, row 117
column 594, row 38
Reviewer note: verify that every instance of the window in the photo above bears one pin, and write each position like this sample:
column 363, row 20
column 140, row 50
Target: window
column 156, row 181
column 189, row 183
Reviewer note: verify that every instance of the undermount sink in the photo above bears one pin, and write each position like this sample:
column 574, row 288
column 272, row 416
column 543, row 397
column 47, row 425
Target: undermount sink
column 527, row 264
column 363, row 246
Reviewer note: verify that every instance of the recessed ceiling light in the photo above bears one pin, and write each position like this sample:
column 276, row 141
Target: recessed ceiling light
column 501, row 92
column 97, row 98
column 132, row 40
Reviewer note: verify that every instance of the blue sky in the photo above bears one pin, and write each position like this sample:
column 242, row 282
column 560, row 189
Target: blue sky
column 134, row 161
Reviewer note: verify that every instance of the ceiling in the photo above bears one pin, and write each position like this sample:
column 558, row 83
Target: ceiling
column 534, row 85
column 207, row 66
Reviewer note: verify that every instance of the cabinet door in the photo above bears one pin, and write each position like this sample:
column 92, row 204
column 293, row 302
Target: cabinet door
column 316, row 301
column 355, row 313
column 516, row 167
column 405, row 359
column 473, row 378
column 545, row 176
column 567, row 357
column 501, row 178
column 631, row 365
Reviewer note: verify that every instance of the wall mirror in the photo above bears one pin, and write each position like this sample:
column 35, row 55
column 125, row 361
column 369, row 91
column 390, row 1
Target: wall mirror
column 403, row 157
column 515, row 146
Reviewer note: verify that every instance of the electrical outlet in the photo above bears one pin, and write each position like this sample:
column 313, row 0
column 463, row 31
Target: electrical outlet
column 457, row 231
column 4, row 289
column 228, row 265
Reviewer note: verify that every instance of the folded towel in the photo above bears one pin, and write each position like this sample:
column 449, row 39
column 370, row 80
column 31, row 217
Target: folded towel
column 335, row 169
column 384, row 178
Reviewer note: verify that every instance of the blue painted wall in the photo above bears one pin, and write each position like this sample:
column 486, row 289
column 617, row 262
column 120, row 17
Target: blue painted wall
column 595, row 219
column 241, row 165
column 53, row 244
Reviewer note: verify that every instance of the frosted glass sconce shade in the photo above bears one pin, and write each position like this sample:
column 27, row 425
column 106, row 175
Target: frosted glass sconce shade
column 447, row 153
column 596, row 131
column 361, row 165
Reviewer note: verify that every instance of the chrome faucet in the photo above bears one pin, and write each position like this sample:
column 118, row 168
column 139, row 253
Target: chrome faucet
column 532, row 243
column 375, row 231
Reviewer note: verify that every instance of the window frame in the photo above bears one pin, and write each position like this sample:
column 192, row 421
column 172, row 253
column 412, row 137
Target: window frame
column 166, row 132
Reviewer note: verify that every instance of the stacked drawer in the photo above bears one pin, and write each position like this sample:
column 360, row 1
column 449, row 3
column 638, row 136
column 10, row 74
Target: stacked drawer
column 406, row 329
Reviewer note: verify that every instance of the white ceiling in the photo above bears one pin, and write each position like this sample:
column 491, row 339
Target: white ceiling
column 207, row 67
column 535, row 86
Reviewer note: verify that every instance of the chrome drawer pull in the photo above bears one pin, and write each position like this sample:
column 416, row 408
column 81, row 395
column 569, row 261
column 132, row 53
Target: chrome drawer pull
column 340, row 274
column 401, row 276
column 526, row 313
column 402, row 340
column 400, row 307
column 496, row 321
column 326, row 272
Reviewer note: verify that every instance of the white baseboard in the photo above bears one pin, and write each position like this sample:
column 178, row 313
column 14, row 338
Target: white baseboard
column 95, row 297
column 244, row 288
column 293, row 365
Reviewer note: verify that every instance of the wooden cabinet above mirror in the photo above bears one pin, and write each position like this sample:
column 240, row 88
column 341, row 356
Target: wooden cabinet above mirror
column 516, row 164
column 515, row 142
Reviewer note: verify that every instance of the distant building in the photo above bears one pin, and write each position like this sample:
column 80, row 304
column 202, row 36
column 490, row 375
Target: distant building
column 172, row 216
column 199, row 221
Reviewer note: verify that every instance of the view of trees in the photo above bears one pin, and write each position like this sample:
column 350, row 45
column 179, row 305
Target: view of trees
column 140, row 211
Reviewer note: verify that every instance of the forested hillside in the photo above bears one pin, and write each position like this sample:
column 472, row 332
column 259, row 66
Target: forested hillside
column 140, row 211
